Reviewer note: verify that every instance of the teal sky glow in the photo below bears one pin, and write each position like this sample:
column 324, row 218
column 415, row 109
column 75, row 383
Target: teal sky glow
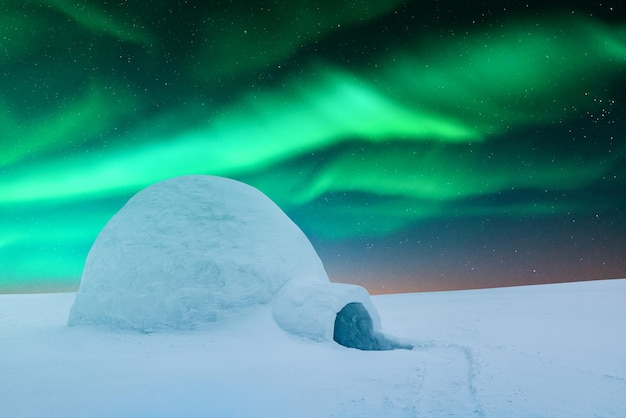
column 515, row 117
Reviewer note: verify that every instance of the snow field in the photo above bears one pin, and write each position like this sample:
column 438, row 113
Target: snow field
column 536, row 351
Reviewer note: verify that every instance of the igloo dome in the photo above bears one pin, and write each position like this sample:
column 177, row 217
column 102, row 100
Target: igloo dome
column 197, row 249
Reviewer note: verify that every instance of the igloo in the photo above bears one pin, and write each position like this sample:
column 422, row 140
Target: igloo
column 198, row 249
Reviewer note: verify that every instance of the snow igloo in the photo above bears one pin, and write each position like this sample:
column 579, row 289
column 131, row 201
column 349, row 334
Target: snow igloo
column 198, row 249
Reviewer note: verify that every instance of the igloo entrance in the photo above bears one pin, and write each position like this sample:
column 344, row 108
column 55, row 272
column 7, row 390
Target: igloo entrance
column 354, row 328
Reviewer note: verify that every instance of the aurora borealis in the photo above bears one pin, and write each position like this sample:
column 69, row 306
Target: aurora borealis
column 419, row 145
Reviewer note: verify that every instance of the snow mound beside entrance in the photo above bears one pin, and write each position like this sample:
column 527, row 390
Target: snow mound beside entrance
column 198, row 249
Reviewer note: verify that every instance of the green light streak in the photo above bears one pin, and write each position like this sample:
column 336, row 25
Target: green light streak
column 447, row 173
column 430, row 172
column 26, row 25
column 67, row 129
column 331, row 218
column 255, row 36
column 99, row 21
column 248, row 137
column 526, row 73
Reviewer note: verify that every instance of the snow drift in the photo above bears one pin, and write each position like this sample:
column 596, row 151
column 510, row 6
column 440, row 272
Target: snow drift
column 198, row 249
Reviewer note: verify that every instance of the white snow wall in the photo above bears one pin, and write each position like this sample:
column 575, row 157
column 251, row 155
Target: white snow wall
column 197, row 249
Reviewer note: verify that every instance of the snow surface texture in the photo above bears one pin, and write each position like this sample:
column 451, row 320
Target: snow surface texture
column 547, row 351
column 197, row 249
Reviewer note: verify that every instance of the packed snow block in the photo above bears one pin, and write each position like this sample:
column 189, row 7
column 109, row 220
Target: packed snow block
column 310, row 309
column 198, row 249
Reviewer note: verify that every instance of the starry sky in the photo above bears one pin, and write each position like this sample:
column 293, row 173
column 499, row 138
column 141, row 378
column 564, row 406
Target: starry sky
column 420, row 145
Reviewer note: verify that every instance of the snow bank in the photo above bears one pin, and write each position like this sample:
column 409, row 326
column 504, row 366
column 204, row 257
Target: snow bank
column 198, row 249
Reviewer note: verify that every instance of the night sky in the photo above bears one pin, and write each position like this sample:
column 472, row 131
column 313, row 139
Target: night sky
column 420, row 145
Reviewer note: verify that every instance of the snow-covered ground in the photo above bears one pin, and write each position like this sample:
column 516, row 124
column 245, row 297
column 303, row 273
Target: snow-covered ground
column 537, row 351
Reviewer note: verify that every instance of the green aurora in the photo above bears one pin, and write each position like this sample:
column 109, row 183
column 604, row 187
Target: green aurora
column 511, row 121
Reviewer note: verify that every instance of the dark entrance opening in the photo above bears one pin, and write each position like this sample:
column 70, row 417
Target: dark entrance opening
column 354, row 328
